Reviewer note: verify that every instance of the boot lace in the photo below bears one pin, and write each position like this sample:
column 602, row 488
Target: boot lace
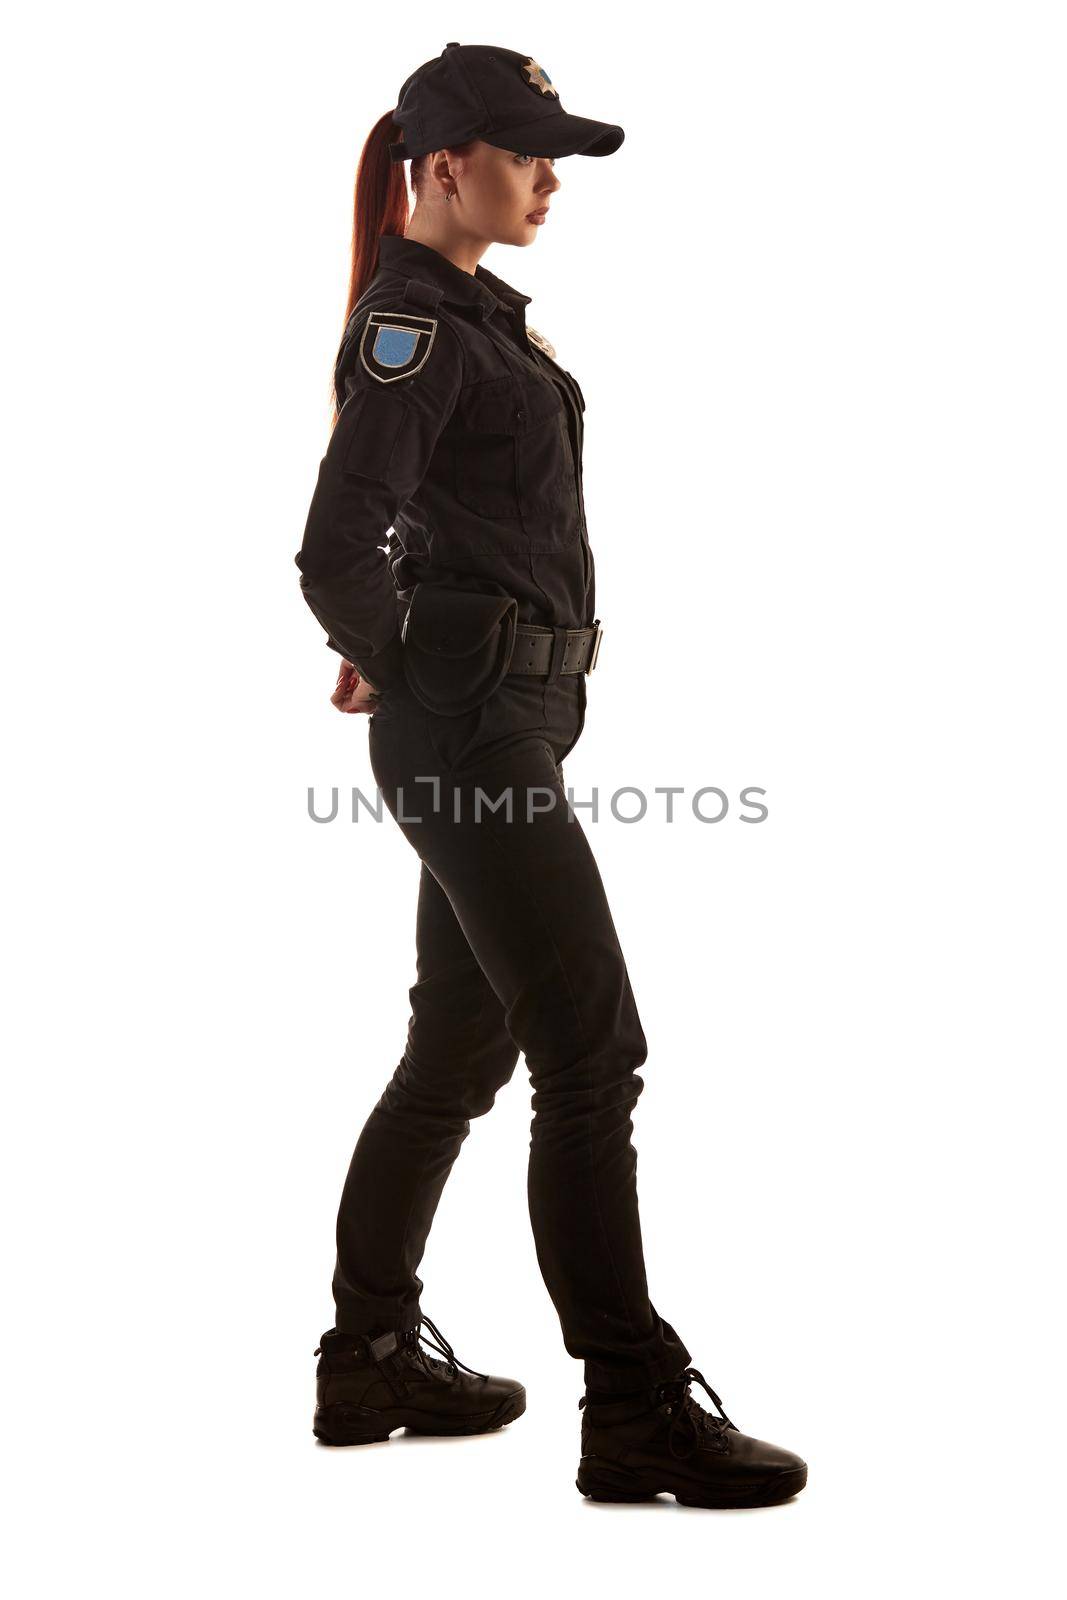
column 690, row 1423
column 415, row 1340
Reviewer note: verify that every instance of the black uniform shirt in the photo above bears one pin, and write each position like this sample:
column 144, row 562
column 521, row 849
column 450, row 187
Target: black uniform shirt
column 467, row 467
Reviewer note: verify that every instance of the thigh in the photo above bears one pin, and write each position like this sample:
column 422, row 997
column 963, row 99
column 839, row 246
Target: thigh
column 516, row 866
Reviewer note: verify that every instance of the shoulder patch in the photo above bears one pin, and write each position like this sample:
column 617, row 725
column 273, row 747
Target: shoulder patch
column 395, row 344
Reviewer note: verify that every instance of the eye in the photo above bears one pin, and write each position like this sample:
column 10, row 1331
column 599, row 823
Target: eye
column 523, row 160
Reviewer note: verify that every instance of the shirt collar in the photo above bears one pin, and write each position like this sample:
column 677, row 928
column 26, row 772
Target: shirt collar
column 481, row 290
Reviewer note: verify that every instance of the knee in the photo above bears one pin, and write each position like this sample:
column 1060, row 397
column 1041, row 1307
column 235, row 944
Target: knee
column 603, row 1084
column 608, row 1095
column 440, row 1082
column 595, row 1057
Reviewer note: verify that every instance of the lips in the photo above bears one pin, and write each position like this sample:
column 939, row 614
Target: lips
column 537, row 216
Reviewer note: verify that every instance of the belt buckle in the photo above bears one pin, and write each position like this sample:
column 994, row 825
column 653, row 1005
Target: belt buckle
column 596, row 644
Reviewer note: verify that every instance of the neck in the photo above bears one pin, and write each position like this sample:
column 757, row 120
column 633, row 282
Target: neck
column 461, row 249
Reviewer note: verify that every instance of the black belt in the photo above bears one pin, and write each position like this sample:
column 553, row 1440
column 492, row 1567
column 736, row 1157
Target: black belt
column 540, row 650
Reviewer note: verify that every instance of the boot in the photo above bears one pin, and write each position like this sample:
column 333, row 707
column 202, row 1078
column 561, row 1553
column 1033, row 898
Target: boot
column 367, row 1388
column 661, row 1441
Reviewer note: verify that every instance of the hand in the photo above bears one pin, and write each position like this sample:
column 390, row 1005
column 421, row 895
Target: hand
column 353, row 693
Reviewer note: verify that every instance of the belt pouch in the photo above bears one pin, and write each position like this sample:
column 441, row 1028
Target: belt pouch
column 457, row 646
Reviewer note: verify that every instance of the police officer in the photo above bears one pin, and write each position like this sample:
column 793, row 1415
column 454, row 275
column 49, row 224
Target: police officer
column 458, row 445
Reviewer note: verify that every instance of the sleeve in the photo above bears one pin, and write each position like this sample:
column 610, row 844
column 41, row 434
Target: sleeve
column 377, row 456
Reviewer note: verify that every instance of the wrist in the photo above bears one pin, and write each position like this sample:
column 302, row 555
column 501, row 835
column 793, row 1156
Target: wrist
column 385, row 667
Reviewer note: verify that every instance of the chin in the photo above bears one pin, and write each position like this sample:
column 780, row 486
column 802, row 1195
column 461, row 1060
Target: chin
column 522, row 234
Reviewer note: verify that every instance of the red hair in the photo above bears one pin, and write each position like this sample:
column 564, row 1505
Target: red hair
column 380, row 207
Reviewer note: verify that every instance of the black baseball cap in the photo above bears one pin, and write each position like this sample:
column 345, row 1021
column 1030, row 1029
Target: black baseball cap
column 477, row 91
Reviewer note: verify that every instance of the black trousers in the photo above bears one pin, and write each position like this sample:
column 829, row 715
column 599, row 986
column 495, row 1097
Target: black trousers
column 516, row 951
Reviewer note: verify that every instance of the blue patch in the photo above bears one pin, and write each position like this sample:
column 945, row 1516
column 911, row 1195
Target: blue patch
column 394, row 347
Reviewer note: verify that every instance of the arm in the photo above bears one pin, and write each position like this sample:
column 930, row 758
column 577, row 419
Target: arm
column 377, row 456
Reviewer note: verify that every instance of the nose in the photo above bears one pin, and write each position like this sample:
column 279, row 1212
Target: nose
column 547, row 183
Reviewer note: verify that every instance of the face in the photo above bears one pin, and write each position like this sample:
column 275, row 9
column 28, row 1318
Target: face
column 505, row 197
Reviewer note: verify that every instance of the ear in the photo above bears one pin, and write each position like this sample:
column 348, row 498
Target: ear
column 457, row 160
column 442, row 170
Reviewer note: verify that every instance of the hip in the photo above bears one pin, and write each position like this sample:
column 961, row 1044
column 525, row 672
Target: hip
column 404, row 734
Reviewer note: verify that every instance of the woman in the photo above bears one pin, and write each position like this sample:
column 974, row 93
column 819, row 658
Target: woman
column 469, row 644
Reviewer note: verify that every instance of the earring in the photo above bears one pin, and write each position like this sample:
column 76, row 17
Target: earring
column 451, row 195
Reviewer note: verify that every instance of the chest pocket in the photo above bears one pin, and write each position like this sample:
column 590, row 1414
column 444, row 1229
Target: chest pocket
column 512, row 451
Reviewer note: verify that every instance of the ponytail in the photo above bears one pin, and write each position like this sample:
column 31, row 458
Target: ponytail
column 381, row 206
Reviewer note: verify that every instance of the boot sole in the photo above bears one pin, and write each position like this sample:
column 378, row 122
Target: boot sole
column 609, row 1481
column 347, row 1424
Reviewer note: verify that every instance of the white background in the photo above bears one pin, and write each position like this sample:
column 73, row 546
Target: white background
column 816, row 306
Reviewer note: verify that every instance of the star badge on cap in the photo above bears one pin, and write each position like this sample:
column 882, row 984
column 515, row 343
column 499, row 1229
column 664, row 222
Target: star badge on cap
column 538, row 78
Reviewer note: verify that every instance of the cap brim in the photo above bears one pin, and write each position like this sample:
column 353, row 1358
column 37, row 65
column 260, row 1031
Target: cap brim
column 561, row 135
